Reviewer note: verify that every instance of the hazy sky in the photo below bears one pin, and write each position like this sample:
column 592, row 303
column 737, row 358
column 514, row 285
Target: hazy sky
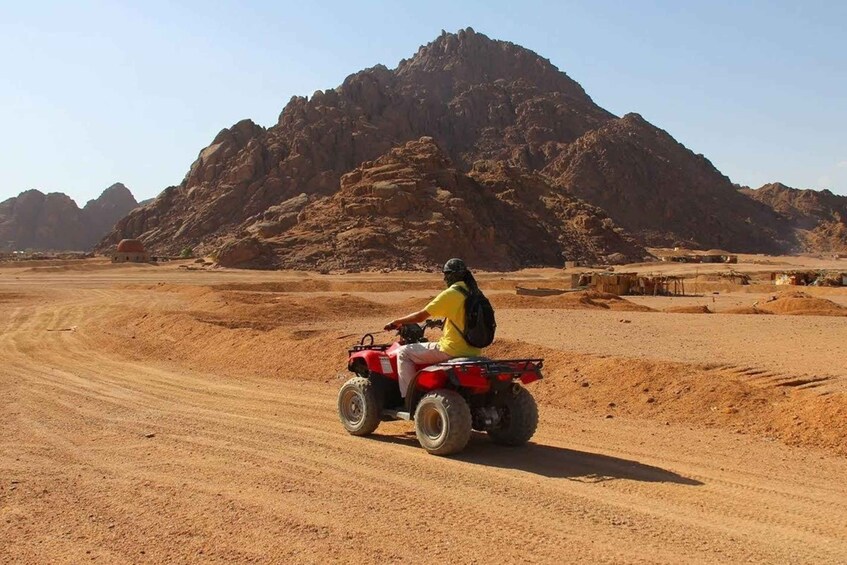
column 94, row 93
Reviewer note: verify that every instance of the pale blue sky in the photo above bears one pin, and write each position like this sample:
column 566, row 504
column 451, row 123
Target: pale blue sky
column 99, row 92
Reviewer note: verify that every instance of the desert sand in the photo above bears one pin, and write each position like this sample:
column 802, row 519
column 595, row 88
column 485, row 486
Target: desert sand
column 155, row 414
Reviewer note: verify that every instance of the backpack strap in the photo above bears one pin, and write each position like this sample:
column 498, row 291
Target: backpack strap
column 461, row 289
column 466, row 293
column 461, row 333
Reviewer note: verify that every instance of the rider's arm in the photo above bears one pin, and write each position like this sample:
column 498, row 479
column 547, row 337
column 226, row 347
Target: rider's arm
column 415, row 318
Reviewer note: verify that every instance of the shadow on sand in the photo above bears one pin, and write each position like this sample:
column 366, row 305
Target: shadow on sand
column 553, row 462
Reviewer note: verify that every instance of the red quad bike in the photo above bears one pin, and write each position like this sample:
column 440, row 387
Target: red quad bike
column 446, row 400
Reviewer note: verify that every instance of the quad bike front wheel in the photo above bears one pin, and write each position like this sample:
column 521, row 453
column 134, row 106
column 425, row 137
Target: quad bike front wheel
column 359, row 407
column 443, row 422
column 519, row 417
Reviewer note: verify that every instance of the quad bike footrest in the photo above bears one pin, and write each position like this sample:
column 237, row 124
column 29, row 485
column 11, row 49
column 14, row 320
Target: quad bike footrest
column 396, row 414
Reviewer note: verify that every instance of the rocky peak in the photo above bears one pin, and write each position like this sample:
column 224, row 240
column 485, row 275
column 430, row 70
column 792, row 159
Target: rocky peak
column 227, row 144
column 239, row 134
column 54, row 221
column 102, row 213
column 116, row 197
column 467, row 58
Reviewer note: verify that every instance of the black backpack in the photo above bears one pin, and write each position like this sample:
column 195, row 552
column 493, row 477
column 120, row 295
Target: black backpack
column 479, row 319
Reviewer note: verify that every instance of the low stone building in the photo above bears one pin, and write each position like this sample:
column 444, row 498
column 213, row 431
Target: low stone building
column 130, row 251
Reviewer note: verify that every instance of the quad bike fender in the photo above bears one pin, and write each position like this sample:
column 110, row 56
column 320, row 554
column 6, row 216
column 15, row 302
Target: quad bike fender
column 530, row 377
column 375, row 361
column 431, row 378
column 437, row 376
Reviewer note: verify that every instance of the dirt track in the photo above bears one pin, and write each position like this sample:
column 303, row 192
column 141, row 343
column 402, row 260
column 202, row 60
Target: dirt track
column 137, row 458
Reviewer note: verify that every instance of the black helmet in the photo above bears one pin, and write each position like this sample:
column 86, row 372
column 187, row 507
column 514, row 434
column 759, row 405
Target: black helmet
column 454, row 271
column 454, row 266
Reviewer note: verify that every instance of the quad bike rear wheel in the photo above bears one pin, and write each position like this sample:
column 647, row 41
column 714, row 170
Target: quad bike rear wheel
column 359, row 406
column 519, row 417
column 443, row 422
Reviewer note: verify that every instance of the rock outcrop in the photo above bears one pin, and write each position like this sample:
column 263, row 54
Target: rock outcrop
column 818, row 218
column 412, row 207
column 34, row 220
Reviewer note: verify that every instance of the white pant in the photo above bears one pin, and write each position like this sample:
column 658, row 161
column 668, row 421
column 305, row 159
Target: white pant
column 416, row 353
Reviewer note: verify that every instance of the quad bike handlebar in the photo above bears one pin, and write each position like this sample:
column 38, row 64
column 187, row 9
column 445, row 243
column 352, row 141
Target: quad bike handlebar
column 409, row 333
column 414, row 333
column 434, row 323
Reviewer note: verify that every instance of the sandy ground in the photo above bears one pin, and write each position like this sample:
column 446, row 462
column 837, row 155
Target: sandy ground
column 189, row 416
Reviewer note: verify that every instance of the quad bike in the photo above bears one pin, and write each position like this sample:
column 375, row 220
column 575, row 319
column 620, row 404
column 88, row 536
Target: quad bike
column 445, row 400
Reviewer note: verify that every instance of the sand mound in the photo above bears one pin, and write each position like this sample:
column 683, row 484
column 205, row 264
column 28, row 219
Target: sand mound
column 798, row 303
column 290, row 310
column 682, row 393
column 747, row 310
column 318, row 285
column 694, row 309
column 581, row 300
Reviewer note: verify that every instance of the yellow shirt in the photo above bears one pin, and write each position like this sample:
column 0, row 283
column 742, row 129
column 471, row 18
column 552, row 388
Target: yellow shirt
column 450, row 305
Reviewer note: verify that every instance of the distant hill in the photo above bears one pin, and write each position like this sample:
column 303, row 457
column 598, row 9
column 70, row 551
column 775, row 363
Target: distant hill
column 818, row 218
column 54, row 221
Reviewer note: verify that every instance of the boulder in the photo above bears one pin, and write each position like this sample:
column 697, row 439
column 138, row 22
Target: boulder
column 244, row 252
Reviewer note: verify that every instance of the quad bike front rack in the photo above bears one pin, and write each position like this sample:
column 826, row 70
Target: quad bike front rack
column 362, row 346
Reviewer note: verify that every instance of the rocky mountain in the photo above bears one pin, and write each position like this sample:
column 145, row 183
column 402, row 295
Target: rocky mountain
column 818, row 218
column 54, row 221
column 412, row 207
column 479, row 100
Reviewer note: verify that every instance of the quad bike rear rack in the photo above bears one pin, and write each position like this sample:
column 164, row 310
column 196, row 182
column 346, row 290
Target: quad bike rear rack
column 496, row 366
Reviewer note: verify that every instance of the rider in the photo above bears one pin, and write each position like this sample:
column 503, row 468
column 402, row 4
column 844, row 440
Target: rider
column 450, row 305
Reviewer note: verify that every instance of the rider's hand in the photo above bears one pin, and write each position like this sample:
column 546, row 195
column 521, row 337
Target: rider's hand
column 390, row 326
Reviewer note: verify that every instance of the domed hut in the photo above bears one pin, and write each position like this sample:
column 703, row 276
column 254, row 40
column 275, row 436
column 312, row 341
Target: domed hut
column 719, row 256
column 130, row 251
